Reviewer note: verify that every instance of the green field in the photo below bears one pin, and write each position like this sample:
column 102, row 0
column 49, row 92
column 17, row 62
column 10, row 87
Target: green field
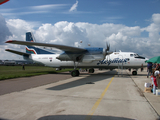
column 8, row 72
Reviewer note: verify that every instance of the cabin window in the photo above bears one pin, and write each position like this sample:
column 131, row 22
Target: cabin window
column 127, row 59
column 131, row 55
column 116, row 53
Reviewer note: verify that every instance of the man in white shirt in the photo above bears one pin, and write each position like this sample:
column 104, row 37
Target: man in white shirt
column 157, row 74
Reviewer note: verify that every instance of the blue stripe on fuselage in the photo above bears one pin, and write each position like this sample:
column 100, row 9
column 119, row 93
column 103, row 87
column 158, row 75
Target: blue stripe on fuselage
column 38, row 50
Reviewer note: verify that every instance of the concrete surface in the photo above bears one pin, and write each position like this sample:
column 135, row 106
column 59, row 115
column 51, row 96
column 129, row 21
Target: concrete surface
column 19, row 84
column 152, row 99
column 106, row 97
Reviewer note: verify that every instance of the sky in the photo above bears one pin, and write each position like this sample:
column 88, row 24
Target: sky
column 127, row 25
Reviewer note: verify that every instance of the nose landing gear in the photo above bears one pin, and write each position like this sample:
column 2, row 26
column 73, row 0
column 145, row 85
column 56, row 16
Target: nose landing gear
column 134, row 73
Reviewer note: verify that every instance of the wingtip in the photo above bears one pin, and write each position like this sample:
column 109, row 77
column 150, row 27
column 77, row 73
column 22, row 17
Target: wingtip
column 6, row 49
column 9, row 41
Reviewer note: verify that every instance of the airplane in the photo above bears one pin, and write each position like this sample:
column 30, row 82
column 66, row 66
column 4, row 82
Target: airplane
column 75, row 57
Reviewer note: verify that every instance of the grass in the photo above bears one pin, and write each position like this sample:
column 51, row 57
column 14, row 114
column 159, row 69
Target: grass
column 8, row 72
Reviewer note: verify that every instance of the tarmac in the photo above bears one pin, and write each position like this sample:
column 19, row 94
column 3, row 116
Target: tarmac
column 104, row 95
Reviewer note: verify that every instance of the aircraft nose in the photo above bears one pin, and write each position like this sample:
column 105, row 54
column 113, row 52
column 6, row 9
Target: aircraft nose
column 146, row 59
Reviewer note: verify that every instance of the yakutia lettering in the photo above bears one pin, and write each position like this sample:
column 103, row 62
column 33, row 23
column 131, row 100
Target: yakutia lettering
column 116, row 60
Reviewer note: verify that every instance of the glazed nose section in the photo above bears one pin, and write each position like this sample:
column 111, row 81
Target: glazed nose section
column 145, row 60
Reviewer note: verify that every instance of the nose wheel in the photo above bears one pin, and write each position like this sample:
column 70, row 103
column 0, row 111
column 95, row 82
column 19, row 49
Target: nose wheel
column 134, row 73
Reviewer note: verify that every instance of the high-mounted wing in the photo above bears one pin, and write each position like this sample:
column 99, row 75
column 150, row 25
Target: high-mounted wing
column 61, row 47
column 17, row 52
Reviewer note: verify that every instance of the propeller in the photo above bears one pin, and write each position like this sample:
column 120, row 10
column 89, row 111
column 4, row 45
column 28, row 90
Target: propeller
column 106, row 51
column 108, row 46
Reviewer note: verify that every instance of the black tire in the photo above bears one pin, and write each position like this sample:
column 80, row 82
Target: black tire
column 91, row 70
column 75, row 73
column 134, row 73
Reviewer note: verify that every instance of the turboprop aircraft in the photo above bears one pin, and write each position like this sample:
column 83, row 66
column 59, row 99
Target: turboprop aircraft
column 75, row 57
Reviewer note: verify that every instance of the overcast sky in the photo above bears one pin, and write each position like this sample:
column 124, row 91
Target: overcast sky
column 128, row 25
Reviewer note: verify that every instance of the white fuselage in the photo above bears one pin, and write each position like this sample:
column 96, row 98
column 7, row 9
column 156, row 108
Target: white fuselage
column 112, row 61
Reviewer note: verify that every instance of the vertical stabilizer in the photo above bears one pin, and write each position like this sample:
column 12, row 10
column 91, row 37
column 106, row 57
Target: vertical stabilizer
column 31, row 49
column 30, row 37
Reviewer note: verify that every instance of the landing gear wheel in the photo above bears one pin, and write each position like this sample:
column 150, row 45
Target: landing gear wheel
column 91, row 70
column 134, row 73
column 75, row 73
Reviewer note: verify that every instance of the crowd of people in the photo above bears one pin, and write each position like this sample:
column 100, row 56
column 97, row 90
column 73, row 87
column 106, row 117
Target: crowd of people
column 154, row 73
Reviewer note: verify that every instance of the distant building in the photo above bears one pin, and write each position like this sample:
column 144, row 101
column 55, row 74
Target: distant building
column 15, row 62
column 9, row 62
column 1, row 62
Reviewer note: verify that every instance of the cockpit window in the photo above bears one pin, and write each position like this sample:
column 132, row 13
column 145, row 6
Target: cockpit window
column 136, row 55
column 131, row 55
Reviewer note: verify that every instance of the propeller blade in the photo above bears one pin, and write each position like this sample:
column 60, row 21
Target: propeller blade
column 108, row 46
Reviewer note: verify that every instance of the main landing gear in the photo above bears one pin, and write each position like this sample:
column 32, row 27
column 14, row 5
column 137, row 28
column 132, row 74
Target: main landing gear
column 75, row 73
column 91, row 70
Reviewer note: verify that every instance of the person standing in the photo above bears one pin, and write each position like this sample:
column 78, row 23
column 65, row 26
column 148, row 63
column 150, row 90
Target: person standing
column 141, row 67
column 149, row 69
column 157, row 75
column 154, row 81
column 23, row 67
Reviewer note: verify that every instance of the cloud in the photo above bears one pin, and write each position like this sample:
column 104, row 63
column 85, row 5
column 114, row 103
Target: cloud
column 156, row 18
column 74, row 7
column 49, row 6
column 40, row 9
column 154, row 28
column 4, row 31
column 119, row 36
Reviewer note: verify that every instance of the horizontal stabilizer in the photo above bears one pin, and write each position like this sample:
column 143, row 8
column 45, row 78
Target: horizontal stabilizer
column 17, row 52
column 61, row 47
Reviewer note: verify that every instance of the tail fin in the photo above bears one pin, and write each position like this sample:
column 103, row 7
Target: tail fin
column 30, row 37
column 34, row 50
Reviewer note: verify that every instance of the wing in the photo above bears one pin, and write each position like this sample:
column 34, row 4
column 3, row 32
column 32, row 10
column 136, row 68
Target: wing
column 61, row 47
column 17, row 52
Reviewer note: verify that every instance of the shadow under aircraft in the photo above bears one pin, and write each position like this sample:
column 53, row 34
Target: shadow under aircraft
column 90, row 79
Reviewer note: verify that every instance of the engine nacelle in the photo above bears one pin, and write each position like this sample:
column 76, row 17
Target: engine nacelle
column 64, row 57
column 91, row 58
column 69, row 57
